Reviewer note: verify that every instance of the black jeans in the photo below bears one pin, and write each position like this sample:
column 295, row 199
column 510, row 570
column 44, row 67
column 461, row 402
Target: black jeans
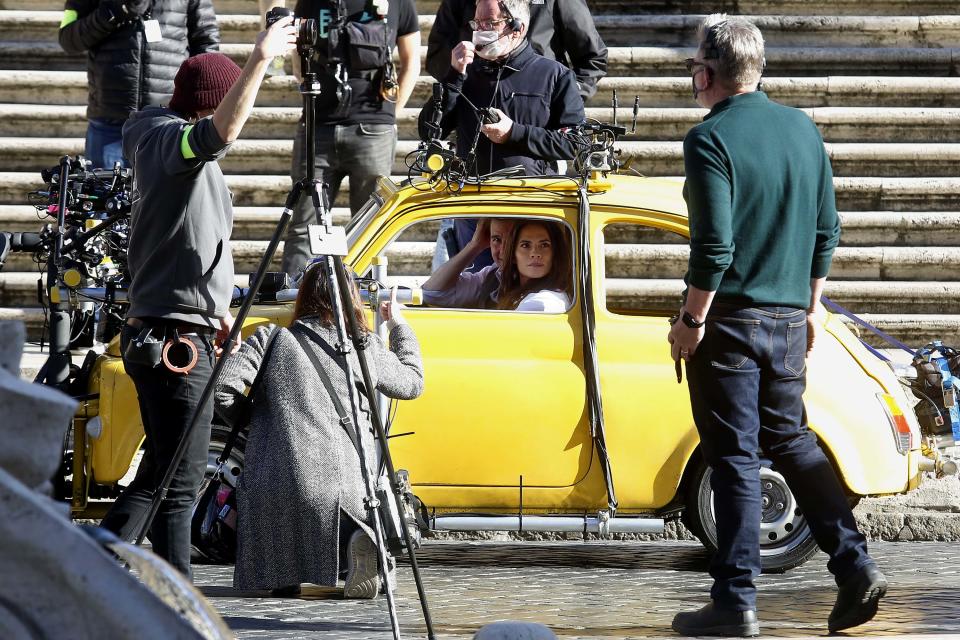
column 746, row 383
column 362, row 151
column 167, row 402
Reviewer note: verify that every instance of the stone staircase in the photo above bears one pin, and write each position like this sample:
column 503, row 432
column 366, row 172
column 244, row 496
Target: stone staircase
column 879, row 77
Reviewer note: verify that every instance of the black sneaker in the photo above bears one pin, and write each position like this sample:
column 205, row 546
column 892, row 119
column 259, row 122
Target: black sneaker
column 857, row 599
column 291, row 591
column 713, row 621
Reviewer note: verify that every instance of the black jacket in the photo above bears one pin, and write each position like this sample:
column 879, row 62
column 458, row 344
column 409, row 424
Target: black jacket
column 539, row 95
column 125, row 72
column 561, row 30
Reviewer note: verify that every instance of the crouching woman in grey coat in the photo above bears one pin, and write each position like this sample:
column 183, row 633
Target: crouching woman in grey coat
column 300, row 496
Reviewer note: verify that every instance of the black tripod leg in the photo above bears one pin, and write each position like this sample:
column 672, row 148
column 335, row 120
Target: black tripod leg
column 376, row 419
column 340, row 302
column 161, row 492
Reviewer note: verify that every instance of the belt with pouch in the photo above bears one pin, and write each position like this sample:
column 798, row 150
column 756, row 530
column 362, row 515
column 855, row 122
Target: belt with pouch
column 163, row 342
column 171, row 326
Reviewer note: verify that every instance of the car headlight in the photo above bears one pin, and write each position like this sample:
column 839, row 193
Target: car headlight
column 902, row 433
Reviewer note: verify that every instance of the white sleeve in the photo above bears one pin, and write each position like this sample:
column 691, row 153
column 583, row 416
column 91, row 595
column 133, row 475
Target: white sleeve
column 545, row 301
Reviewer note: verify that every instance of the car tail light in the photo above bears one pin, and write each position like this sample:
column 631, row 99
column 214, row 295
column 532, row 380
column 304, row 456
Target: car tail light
column 902, row 434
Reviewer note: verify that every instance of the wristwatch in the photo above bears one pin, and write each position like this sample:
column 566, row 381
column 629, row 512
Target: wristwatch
column 690, row 321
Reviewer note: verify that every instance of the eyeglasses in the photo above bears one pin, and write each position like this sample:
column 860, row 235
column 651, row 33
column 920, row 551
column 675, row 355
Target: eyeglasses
column 693, row 63
column 486, row 25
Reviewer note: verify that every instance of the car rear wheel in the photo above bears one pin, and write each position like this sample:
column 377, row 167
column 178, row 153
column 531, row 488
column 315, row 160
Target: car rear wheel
column 231, row 474
column 785, row 537
column 234, row 463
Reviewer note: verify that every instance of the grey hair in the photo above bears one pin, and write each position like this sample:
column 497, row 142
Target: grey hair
column 737, row 46
column 519, row 9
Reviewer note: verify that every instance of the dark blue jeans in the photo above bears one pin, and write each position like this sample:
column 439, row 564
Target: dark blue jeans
column 167, row 402
column 104, row 143
column 746, row 383
column 362, row 151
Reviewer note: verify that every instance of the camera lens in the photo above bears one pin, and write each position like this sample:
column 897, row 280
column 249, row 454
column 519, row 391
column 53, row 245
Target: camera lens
column 309, row 34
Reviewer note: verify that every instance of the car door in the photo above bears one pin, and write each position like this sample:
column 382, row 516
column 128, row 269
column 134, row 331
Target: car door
column 502, row 420
column 650, row 432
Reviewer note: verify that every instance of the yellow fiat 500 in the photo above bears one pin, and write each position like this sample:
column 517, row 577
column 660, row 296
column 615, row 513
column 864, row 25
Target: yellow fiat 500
column 521, row 427
column 504, row 437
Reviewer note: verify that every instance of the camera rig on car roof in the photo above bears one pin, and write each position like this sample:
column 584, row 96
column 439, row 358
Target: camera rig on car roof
column 438, row 164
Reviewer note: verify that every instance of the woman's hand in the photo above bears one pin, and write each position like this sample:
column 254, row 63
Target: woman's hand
column 392, row 311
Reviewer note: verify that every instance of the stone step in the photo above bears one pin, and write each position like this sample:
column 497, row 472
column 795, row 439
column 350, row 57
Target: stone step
column 860, row 229
column 647, row 261
column 37, row 87
column 853, row 194
column 648, row 158
column 849, row 263
column 837, row 124
column 623, row 61
column 784, row 30
column 848, row 159
column 860, row 296
column 618, row 30
column 744, row 7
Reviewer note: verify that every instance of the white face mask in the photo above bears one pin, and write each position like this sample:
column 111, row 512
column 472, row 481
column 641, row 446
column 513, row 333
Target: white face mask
column 490, row 44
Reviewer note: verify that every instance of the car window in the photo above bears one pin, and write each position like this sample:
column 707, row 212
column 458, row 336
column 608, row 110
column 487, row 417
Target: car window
column 432, row 254
column 643, row 269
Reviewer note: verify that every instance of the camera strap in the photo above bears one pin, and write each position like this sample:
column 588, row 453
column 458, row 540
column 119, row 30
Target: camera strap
column 345, row 421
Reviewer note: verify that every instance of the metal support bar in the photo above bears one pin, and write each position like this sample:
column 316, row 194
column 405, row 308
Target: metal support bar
column 557, row 524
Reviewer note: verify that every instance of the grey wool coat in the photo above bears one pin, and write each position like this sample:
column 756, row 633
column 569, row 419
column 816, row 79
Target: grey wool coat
column 301, row 478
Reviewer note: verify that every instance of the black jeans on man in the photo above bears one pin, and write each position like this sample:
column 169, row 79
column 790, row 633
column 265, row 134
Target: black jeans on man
column 364, row 152
column 167, row 402
column 746, row 383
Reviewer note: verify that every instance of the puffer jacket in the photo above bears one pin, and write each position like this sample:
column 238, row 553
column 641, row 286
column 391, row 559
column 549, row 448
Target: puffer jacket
column 125, row 72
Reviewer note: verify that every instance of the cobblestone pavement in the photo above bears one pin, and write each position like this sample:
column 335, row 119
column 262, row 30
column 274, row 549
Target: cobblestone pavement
column 598, row 590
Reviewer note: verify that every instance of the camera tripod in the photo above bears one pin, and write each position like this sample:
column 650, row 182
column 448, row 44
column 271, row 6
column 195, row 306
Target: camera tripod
column 329, row 242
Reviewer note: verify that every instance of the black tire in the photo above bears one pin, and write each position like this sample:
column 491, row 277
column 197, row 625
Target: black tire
column 234, row 464
column 785, row 537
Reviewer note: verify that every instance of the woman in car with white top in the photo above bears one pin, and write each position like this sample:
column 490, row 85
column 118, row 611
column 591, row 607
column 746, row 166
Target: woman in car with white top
column 537, row 269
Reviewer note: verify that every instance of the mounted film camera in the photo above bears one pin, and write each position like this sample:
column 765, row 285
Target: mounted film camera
column 84, row 246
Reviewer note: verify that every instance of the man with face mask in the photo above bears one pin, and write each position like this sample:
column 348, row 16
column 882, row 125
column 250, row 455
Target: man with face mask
column 533, row 97
column 498, row 72
column 561, row 30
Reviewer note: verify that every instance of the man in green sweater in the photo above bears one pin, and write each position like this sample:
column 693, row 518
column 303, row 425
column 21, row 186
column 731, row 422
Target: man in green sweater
column 763, row 227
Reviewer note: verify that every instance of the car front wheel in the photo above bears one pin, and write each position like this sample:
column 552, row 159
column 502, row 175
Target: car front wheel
column 785, row 537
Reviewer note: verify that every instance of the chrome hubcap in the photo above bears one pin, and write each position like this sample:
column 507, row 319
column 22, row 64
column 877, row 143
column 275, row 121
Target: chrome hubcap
column 782, row 526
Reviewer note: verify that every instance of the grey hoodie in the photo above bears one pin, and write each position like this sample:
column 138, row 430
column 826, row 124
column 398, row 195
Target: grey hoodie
column 182, row 216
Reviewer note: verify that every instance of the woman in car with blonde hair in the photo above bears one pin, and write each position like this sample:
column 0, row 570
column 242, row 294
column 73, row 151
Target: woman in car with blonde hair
column 537, row 268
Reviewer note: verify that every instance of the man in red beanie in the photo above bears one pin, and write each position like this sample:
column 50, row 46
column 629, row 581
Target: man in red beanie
column 182, row 274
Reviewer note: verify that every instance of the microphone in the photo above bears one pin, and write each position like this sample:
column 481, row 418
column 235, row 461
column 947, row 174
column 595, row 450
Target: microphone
column 434, row 125
column 481, row 47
